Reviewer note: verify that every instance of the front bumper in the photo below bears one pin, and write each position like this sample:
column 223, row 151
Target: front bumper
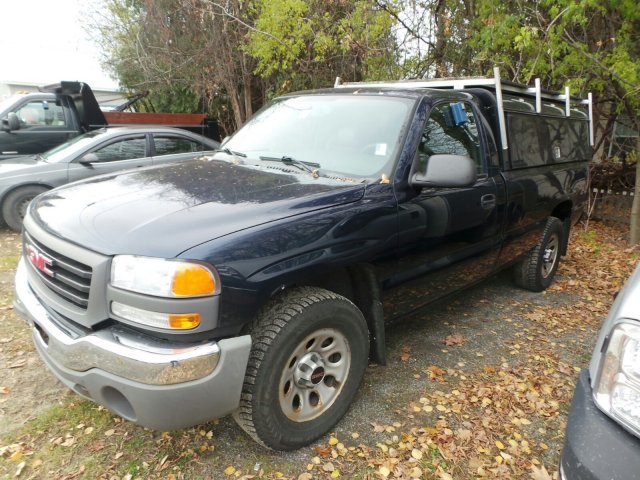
column 154, row 383
column 596, row 447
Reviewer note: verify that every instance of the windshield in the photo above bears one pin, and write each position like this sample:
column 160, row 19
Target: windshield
column 71, row 147
column 356, row 136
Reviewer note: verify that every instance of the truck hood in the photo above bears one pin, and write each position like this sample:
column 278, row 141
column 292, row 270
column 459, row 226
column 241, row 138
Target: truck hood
column 164, row 211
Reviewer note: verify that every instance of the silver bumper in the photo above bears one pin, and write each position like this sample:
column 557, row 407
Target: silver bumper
column 153, row 383
column 114, row 350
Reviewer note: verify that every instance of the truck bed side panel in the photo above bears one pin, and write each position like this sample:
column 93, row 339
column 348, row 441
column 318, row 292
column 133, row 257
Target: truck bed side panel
column 535, row 193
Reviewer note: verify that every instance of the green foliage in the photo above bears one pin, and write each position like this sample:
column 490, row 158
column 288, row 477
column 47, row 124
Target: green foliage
column 307, row 43
column 588, row 44
column 282, row 31
column 232, row 56
column 176, row 99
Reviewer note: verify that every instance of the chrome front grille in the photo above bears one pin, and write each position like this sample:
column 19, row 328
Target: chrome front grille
column 64, row 276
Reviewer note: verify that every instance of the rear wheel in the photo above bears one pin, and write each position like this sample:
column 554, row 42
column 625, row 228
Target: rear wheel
column 310, row 351
column 14, row 207
column 536, row 270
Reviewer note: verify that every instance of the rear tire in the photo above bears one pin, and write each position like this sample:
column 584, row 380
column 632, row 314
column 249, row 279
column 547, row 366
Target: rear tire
column 15, row 205
column 310, row 350
column 536, row 270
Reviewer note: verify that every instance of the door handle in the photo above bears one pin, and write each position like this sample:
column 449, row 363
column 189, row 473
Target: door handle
column 488, row 201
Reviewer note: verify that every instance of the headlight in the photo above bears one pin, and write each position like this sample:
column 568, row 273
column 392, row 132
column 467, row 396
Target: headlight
column 163, row 278
column 617, row 386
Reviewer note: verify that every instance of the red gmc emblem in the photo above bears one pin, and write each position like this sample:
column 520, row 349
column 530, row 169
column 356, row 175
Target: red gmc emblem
column 39, row 260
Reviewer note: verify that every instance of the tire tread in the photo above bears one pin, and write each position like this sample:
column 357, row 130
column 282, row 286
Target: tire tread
column 265, row 329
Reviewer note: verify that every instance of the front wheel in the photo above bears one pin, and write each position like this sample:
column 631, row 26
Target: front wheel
column 536, row 270
column 310, row 350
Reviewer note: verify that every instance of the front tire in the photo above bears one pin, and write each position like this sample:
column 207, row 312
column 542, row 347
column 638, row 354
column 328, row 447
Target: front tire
column 310, row 350
column 536, row 270
column 14, row 207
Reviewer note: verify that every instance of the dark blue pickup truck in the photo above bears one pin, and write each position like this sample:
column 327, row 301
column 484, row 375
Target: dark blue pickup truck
column 259, row 281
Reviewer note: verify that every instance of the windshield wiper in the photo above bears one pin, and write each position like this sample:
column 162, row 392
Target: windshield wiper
column 230, row 152
column 310, row 167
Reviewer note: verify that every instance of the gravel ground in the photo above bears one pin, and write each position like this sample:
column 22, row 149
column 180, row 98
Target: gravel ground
column 490, row 324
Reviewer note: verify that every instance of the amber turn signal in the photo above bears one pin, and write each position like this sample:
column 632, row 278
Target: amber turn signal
column 191, row 279
column 184, row 320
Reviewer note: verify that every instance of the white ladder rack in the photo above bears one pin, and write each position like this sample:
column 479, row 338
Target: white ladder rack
column 493, row 82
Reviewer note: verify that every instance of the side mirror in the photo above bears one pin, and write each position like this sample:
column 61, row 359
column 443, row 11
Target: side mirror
column 88, row 159
column 446, row 171
column 11, row 122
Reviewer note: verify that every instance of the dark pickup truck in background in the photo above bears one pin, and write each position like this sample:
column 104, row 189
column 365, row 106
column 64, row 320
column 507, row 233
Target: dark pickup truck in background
column 36, row 122
column 258, row 282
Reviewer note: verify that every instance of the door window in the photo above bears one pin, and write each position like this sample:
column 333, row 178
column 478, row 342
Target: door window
column 126, row 149
column 450, row 130
column 40, row 113
column 169, row 145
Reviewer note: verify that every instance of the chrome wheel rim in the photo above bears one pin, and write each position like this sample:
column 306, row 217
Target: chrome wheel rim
column 550, row 255
column 314, row 375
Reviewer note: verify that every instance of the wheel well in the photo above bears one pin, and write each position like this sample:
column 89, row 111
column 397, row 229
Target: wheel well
column 359, row 284
column 563, row 212
column 18, row 187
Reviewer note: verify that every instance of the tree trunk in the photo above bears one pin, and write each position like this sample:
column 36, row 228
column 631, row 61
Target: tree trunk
column 635, row 209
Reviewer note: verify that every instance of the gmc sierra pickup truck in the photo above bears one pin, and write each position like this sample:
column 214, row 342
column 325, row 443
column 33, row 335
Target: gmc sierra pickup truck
column 258, row 282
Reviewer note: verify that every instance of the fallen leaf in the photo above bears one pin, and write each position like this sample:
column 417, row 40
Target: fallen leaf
column 377, row 428
column 16, row 456
column 435, row 373
column 405, row 353
column 69, row 441
column 229, row 470
column 453, row 340
column 109, row 432
column 20, row 468
column 416, row 472
column 540, row 473
column 384, row 471
column 18, row 363
column 443, row 475
column 322, row 451
column 328, row 467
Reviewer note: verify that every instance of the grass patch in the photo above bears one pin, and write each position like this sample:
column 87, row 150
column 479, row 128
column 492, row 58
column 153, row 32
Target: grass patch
column 58, row 438
column 9, row 262
column 68, row 416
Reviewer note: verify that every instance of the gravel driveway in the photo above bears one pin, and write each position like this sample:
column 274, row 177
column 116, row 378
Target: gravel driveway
column 477, row 385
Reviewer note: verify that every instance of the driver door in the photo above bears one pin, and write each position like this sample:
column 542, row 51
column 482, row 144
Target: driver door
column 449, row 237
